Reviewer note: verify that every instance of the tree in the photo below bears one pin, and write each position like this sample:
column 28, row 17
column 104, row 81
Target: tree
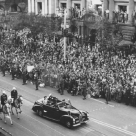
column 37, row 23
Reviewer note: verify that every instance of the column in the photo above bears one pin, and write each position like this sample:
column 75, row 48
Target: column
column 111, row 9
column 105, row 6
column 57, row 3
column 131, row 9
column 50, row 4
column 56, row 6
column 82, row 34
column 45, row 5
column 29, row 6
column 32, row 6
column 94, row 6
column 83, row 3
column 43, row 11
column 69, row 6
column 36, row 8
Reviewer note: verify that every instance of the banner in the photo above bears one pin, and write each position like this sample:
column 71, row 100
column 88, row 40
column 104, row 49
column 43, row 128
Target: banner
column 30, row 68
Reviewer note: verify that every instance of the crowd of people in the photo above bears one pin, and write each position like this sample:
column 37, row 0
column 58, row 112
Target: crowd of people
column 86, row 71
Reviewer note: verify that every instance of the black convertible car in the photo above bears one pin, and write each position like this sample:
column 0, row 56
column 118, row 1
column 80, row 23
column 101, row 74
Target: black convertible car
column 61, row 111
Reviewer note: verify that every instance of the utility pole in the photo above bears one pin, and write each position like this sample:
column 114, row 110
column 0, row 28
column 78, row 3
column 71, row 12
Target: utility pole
column 65, row 20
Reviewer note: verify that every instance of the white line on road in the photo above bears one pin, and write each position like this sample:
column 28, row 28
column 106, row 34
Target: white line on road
column 87, row 129
column 26, row 128
column 102, row 102
column 113, row 127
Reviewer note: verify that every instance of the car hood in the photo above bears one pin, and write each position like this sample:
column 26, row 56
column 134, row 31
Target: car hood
column 72, row 110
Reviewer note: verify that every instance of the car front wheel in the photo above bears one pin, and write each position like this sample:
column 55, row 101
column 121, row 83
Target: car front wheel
column 40, row 113
column 68, row 124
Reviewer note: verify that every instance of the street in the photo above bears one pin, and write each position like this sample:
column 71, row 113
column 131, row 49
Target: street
column 113, row 119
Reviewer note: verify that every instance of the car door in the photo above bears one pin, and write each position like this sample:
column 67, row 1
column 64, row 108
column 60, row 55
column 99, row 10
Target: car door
column 46, row 110
column 56, row 113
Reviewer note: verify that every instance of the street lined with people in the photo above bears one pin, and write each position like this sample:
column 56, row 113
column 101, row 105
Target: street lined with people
column 103, row 117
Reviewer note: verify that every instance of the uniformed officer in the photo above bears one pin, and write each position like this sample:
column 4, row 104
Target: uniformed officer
column 3, row 98
column 13, row 71
column 24, row 75
column 36, row 80
column 107, row 93
column 3, row 67
column 14, row 94
column 74, row 86
column 84, row 87
column 62, row 86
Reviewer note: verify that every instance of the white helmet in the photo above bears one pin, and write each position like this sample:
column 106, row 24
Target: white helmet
column 3, row 92
column 14, row 88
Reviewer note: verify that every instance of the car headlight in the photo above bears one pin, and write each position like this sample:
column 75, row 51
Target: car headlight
column 87, row 114
column 74, row 120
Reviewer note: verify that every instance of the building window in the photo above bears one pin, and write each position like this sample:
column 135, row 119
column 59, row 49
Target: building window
column 77, row 5
column 14, row 8
column 63, row 5
column 99, row 9
column 122, row 8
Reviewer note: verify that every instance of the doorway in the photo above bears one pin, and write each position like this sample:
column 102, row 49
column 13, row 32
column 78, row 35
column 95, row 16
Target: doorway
column 39, row 6
column 122, row 8
column 63, row 5
column 77, row 6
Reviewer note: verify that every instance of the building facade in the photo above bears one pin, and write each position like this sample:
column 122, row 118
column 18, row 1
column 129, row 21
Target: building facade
column 119, row 6
column 13, row 5
column 51, row 6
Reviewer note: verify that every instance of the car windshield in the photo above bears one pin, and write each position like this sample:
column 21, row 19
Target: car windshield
column 40, row 100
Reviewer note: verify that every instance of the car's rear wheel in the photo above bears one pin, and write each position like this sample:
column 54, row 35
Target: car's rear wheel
column 40, row 113
column 68, row 124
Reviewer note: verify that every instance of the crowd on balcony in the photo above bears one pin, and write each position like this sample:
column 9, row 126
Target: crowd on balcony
column 120, row 16
column 74, row 12
column 86, row 71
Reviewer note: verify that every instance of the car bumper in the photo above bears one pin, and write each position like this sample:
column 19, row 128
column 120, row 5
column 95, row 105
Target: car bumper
column 78, row 124
column 34, row 109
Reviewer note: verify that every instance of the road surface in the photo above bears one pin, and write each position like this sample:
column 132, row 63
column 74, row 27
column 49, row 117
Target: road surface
column 105, row 120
